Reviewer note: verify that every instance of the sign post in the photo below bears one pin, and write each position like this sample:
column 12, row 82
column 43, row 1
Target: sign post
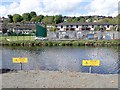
column 90, row 70
column 20, row 60
column 90, row 63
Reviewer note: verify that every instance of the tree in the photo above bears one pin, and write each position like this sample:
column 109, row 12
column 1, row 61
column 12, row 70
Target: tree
column 48, row 20
column 33, row 20
column 82, row 19
column 97, row 28
column 26, row 17
column 17, row 18
column 70, row 20
column 58, row 19
column 4, row 30
column 10, row 17
column 33, row 14
column 75, row 19
column 53, row 29
column 44, row 20
column 39, row 18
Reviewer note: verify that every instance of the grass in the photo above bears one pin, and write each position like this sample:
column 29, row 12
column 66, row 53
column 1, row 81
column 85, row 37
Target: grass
column 17, row 38
column 29, row 40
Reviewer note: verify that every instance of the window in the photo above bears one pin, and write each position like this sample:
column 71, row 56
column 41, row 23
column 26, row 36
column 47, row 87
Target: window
column 67, row 26
column 107, row 26
column 76, row 26
column 71, row 26
column 92, row 26
column 82, row 25
column 61, row 26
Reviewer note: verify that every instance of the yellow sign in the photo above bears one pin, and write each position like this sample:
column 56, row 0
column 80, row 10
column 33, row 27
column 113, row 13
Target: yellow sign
column 91, row 62
column 20, row 60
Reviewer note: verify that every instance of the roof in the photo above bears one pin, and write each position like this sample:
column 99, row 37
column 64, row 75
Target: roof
column 85, row 23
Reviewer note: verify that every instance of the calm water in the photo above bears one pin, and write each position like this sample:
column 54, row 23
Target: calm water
column 62, row 58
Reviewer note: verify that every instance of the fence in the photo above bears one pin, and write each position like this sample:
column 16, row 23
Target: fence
column 82, row 35
column 68, row 35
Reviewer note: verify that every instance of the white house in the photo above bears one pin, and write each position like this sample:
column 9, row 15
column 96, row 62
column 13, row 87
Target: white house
column 65, row 26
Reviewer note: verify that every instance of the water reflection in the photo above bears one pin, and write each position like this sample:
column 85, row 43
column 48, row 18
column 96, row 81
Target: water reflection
column 63, row 58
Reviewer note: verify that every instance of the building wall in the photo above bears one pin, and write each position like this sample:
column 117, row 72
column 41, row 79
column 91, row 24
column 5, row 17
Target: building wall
column 92, row 27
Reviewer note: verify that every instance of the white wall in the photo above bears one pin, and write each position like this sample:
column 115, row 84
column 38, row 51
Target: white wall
column 80, row 26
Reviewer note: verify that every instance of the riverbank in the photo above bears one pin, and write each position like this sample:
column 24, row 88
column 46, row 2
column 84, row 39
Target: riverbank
column 62, row 43
column 58, row 79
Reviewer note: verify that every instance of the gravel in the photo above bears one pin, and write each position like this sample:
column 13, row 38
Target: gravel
column 58, row 79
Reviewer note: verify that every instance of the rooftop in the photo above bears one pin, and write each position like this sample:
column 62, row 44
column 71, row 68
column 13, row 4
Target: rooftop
column 85, row 23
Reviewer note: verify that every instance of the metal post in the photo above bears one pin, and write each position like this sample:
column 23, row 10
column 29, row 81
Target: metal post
column 21, row 65
column 90, row 70
column 113, row 36
column 69, row 32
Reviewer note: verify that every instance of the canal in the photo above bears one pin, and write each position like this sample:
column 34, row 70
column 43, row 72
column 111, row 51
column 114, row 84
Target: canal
column 62, row 58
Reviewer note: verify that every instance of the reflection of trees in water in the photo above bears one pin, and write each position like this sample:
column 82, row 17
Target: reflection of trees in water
column 27, row 48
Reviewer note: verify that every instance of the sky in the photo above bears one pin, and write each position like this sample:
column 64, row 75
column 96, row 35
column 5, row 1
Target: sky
column 63, row 7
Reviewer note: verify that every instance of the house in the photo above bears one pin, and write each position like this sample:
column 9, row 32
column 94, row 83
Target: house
column 22, row 29
column 3, row 26
column 65, row 26
column 25, row 28
column 0, row 27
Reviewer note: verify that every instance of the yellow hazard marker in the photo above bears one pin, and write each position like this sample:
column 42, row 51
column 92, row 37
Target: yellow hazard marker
column 20, row 60
column 91, row 63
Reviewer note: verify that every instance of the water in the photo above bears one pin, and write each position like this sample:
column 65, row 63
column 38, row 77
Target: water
column 62, row 58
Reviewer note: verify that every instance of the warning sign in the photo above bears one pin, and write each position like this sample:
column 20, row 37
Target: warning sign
column 20, row 60
column 91, row 62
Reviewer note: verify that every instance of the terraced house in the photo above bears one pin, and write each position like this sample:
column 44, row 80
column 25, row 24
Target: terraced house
column 23, row 28
column 65, row 26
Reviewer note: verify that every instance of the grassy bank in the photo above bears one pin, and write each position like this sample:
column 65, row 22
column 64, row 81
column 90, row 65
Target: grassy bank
column 62, row 43
column 17, row 38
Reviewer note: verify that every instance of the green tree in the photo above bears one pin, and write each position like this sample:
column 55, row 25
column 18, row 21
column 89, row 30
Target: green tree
column 26, row 17
column 77, row 19
column 33, row 14
column 10, row 17
column 53, row 29
column 58, row 19
column 33, row 20
column 48, row 20
column 70, row 20
column 39, row 18
column 82, row 19
column 17, row 18
column 97, row 28
column 44, row 20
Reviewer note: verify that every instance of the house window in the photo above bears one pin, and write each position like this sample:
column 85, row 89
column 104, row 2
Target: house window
column 71, row 26
column 107, row 26
column 61, row 26
column 82, row 25
column 76, row 26
column 67, row 26
column 92, row 26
